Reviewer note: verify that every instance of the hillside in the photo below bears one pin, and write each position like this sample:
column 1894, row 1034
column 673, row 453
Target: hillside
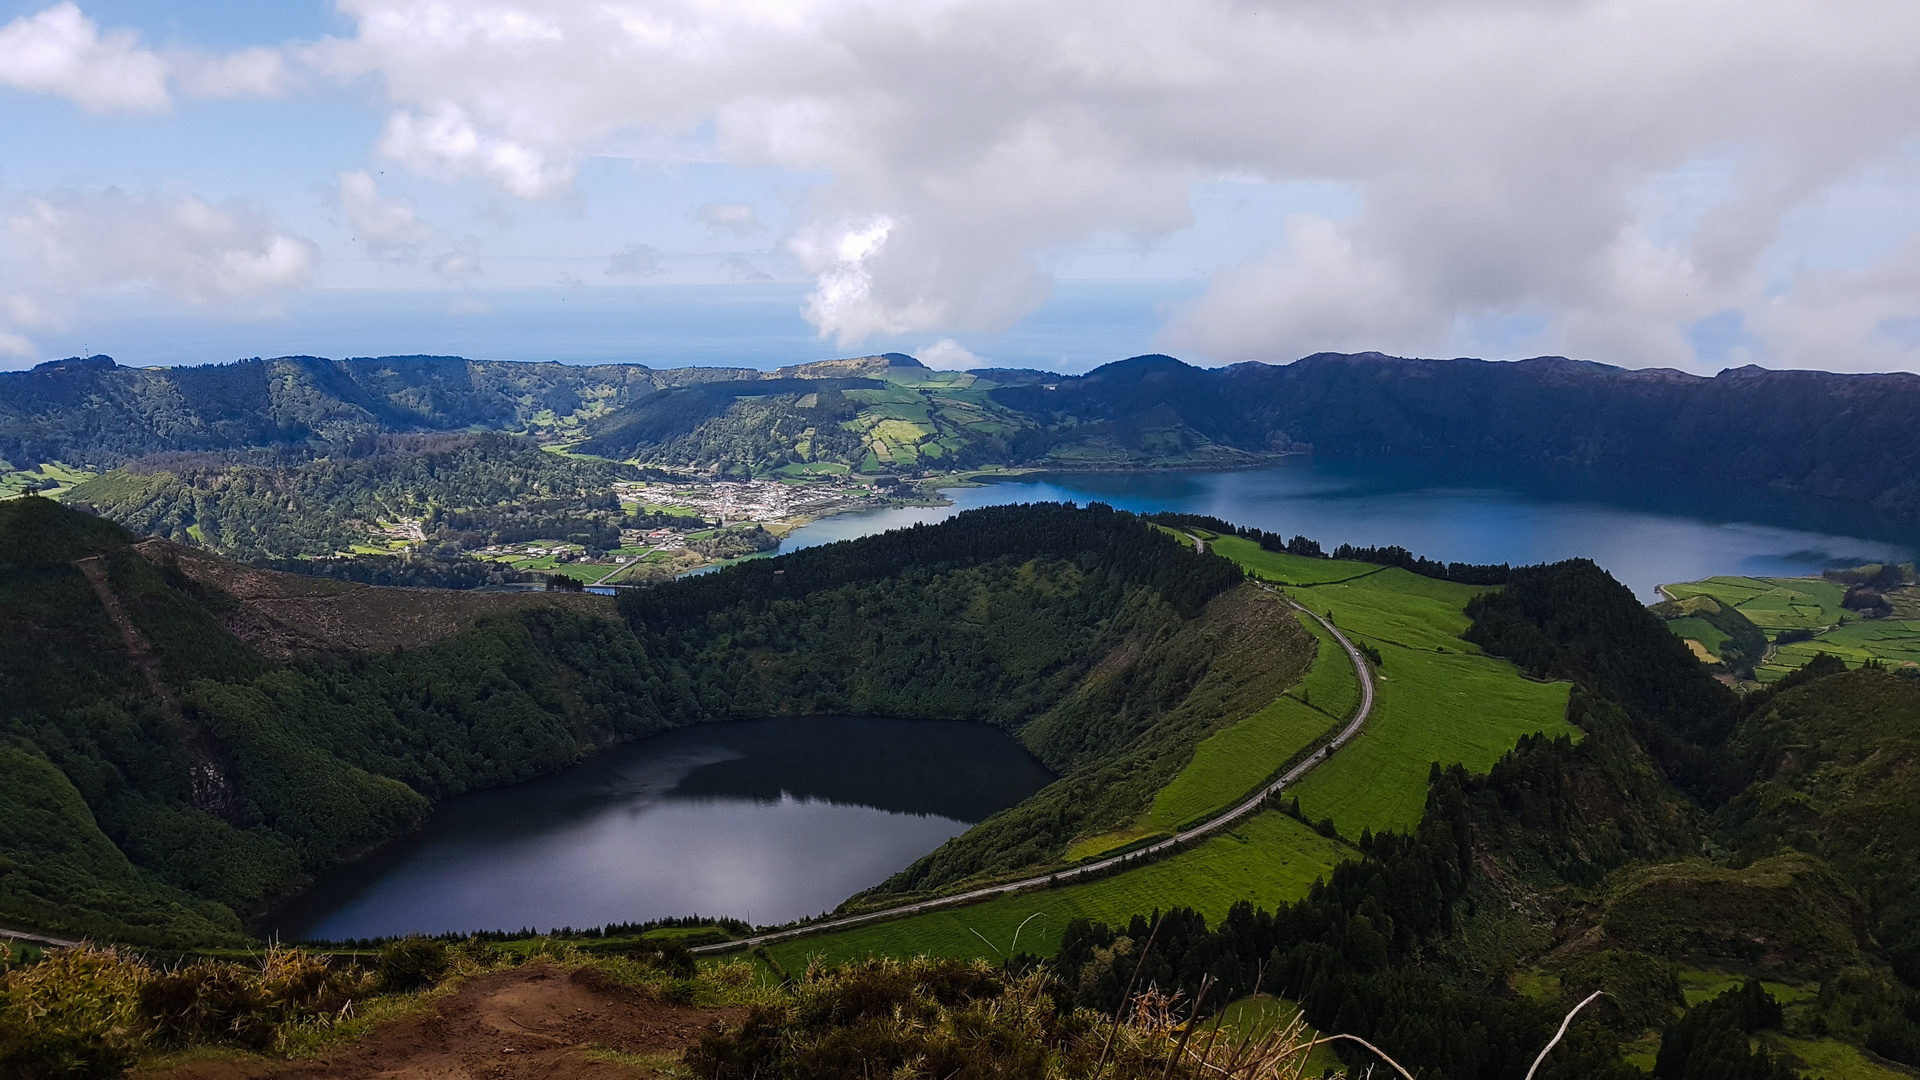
column 1842, row 440
column 188, row 739
column 1555, row 796
column 1680, row 840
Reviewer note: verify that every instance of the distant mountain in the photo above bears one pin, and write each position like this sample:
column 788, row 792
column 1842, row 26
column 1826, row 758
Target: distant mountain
column 95, row 413
column 1849, row 438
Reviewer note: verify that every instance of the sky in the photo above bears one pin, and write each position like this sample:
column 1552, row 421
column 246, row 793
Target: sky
column 1051, row 183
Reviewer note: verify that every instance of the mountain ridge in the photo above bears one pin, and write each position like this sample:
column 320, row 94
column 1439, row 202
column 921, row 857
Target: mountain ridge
column 1834, row 436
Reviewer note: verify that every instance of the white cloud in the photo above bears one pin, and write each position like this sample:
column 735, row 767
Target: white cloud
column 736, row 218
column 181, row 245
column 635, row 260
column 949, row 355
column 60, row 246
column 255, row 72
column 1509, row 160
column 384, row 226
column 60, row 51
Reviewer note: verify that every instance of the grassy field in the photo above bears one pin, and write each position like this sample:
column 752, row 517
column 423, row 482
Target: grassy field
column 1831, row 1059
column 1287, row 569
column 1774, row 604
column 1231, row 763
column 1269, row 859
column 62, row 478
column 1437, row 698
column 1331, row 684
column 1809, row 605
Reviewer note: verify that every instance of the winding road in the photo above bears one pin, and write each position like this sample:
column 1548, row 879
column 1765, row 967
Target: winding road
column 1213, row 825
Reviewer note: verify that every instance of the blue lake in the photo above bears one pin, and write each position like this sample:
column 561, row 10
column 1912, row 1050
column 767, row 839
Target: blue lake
column 763, row 820
column 1645, row 534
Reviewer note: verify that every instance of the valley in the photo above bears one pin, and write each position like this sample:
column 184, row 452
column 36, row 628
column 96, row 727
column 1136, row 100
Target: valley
column 1521, row 784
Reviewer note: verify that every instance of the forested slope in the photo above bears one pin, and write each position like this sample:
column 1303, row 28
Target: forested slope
column 166, row 776
column 1688, row 832
column 141, row 730
column 1846, row 438
column 464, row 491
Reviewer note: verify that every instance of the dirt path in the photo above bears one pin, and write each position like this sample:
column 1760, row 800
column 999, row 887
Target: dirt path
column 538, row 1022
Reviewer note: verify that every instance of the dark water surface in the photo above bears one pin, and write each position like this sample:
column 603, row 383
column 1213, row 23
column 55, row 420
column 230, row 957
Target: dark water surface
column 1645, row 533
column 764, row 820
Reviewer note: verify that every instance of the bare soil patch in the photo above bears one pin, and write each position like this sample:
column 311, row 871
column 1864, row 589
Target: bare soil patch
column 539, row 1022
column 286, row 614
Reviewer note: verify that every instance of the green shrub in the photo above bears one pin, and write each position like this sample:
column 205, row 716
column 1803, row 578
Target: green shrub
column 412, row 963
column 669, row 956
column 74, row 1015
column 220, row 1002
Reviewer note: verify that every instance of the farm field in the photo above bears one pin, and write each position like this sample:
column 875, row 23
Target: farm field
column 1437, row 698
column 1261, row 1014
column 1269, row 859
column 1810, row 606
column 51, row 479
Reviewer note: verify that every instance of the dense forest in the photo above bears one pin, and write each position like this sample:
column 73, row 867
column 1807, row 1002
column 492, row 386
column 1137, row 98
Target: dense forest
column 164, row 778
column 464, row 492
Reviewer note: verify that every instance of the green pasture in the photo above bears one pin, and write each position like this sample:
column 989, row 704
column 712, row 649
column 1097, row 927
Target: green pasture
column 1774, row 604
column 1270, row 859
column 1700, row 630
column 1777, row 605
column 20, row 481
column 675, row 509
column 1331, row 685
column 1229, row 764
column 1278, row 566
column 1831, row 1059
column 1436, row 698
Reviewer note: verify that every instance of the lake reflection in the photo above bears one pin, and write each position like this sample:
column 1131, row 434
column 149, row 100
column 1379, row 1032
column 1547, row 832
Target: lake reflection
column 764, row 820
column 1645, row 533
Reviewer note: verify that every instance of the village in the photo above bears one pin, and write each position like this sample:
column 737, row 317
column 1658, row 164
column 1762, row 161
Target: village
column 687, row 524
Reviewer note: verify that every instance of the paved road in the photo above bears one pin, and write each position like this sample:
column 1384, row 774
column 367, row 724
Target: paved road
column 1252, row 804
column 38, row 939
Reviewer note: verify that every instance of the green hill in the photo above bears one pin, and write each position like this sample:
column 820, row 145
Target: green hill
column 188, row 739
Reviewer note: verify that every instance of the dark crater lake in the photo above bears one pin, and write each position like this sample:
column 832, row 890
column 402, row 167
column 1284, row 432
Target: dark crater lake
column 763, row 820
